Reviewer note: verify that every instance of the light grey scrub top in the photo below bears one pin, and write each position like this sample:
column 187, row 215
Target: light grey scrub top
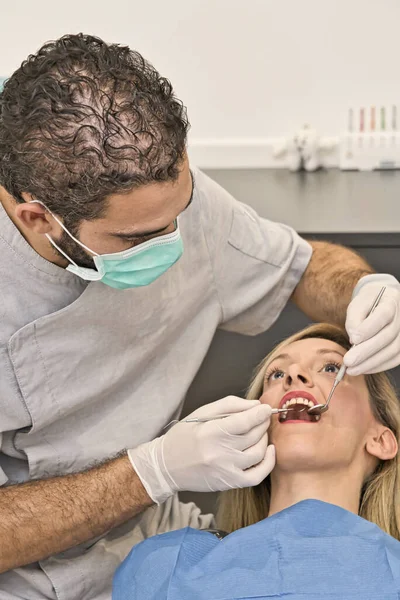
column 87, row 371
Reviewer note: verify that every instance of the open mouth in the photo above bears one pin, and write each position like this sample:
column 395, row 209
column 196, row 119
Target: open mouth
column 298, row 406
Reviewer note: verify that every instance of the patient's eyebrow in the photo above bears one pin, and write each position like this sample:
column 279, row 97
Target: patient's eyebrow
column 285, row 356
column 330, row 350
column 280, row 357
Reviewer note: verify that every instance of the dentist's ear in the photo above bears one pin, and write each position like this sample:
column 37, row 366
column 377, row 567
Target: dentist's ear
column 34, row 217
column 382, row 444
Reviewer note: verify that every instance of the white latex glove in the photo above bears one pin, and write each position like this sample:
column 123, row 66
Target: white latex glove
column 377, row 338
column 204, row 457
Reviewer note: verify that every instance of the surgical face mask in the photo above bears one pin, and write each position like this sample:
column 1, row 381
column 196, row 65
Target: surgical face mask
column 135, row 267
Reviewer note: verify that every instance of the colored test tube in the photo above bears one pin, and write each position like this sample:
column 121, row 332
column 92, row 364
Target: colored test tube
column 362, row 120
column 350, row 123
column 372, row 118
column 383, row 118
column 394, row 117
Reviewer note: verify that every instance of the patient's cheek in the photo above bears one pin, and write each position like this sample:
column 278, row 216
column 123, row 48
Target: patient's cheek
column 271, row 399
column 352, row 405
column 264, row 399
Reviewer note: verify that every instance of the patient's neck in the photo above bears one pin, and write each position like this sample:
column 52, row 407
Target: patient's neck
column 336, row 487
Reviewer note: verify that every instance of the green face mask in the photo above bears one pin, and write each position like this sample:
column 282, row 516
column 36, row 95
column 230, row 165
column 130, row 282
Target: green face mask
column 135, row 267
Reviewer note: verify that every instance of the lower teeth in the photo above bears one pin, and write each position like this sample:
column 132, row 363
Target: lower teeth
column 284, row 416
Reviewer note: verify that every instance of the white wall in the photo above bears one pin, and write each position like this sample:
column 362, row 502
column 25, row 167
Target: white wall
column 246, row 70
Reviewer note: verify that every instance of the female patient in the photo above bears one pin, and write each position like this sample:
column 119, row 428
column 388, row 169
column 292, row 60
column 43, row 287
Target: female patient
column 325, row 523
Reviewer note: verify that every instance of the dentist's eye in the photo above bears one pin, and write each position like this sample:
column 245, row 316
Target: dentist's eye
column 274, row 374
column 331, row 367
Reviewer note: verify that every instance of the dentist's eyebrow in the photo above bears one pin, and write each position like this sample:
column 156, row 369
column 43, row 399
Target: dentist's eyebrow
column 141, row 234
column 131, row 236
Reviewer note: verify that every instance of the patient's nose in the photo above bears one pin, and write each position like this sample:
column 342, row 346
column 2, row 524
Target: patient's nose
column 297, row 374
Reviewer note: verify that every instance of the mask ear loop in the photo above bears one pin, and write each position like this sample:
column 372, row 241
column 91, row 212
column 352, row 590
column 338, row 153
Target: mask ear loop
column 52, row 242
column 66, row 231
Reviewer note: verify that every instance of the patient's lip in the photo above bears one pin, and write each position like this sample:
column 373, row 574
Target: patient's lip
column 297, row 394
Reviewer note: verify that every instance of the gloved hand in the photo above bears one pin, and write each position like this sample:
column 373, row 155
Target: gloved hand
column 207, row 457
column 377, row 338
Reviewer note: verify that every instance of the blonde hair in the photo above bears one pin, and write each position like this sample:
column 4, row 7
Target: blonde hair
column 380, row 496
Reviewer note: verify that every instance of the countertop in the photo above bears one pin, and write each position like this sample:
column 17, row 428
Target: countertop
column 322, row 202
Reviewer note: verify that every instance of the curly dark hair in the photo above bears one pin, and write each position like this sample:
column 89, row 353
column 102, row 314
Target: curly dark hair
column 83, row 119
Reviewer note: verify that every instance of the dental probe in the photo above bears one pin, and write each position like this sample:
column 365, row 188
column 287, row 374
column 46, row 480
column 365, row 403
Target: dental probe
column 320, row 408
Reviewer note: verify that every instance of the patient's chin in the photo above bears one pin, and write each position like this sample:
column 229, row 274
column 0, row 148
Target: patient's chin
column 298, row 455
column 294, row 456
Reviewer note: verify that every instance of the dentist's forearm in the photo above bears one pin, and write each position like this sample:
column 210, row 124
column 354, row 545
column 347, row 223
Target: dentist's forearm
column 325, row 289
column 41, row 518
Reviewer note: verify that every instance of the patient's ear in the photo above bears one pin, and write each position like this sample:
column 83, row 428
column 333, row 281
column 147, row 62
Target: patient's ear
column 382, row 443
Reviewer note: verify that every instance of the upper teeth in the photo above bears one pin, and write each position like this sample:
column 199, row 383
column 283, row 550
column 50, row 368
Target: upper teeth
column 302, row 401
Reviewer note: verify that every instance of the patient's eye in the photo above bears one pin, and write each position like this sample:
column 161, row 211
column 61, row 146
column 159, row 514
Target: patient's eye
column 331, row 367
column 274, row 374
